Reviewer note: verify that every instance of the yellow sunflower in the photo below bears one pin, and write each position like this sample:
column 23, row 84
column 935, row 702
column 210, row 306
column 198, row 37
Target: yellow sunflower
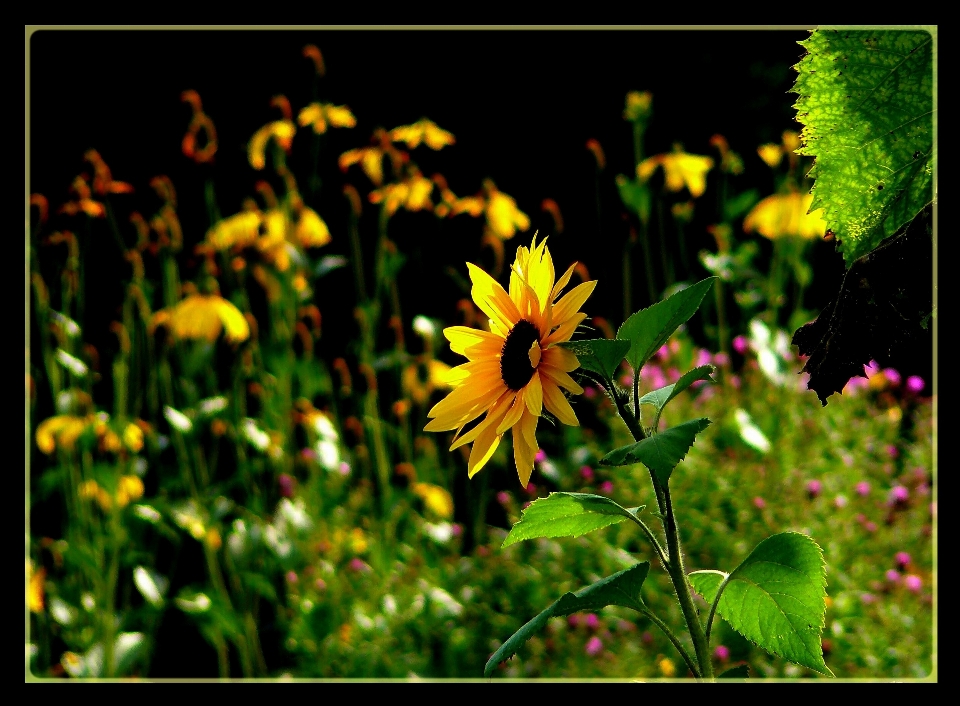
column 516, row 369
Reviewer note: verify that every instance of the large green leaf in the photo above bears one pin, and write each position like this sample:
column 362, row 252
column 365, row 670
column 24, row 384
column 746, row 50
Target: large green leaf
column 649, row 328
column 599, row 355
column 661, row 452
column 866, row 103
column 775, row 598
column 568, row 515
column 622, row 589
column 660, row 397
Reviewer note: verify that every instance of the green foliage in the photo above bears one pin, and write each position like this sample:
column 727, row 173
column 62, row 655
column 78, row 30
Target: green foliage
column 661, row 452
column 866, row 103
column 775, row 598
column 659, row 398
column 599, row 355
column 621, row 589
column 568, row 515
column 649, row 328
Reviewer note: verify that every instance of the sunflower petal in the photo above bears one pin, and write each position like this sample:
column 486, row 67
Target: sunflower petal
column 513, row 413
column 533, row 395
column 482, row 450
column 562, row 282
column 561, row 359
column 561, row 379
column 492, row 299
column 564, row 331
column 572, row 301
column 557, row 404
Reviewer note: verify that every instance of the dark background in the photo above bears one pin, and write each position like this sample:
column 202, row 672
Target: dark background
column 521, row 103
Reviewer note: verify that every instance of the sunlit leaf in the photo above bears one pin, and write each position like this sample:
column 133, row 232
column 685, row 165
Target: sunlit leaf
column 866, row 103
column 568, row 515
column 660, row 397
column 775, row 598
column 599, row 355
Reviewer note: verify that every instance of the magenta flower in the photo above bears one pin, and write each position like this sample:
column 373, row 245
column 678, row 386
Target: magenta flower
column 814, row 487
column 573, row 620
column 892, row 451
column 360, row 565
column 457, row 529
column 285, row 481
column 655, row 377
column 735, row 382
column 871, row 368
column 722, row 653
column 703, row 358
column 902, row 559
column 606, row 487
column 867, row 598
column 586, row 473
column 626, row 380
column 871, row 526
column 292, row 577
column 308, row 454
column 673, row 374
column 503, row 497
column 740, row 345
column 915, row 384
column 594, row 646
column 541, row 456
column 863, row 489
column 592, row 621
column 899, row 495
column 721, row 359
column 759, row 502
column 646, row 637
column 664, row 352
column 589, row 392
column 344, row 468
column 893, row 576
column 840, row 501
column 531, row 489
column 893, row 377
column 913, row 583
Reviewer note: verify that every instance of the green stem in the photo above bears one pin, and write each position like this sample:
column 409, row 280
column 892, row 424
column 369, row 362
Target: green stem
column 661, row 554
column 691, row 664
column 682, row 586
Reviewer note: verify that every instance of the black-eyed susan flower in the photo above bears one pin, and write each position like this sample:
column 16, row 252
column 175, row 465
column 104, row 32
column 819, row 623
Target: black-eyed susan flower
column 504, row 219
column 679, row 170
column 204, row 316
column 281, row 131
column 324, row 115
column 425, row 131
column 413, row 193
column 515, row 369
column 785, row 215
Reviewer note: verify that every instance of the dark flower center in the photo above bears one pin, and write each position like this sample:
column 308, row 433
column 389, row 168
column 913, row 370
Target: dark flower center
column 515, row 368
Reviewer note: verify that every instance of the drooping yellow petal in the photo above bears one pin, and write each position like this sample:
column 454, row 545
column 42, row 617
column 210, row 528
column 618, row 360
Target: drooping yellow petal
column 557, row 404
column 561, row 359
column 785, row 215
column 482, row 450
column 565, row 330
column 558, row 377
column 311, row 231
column 533, row 395
column 237, row 328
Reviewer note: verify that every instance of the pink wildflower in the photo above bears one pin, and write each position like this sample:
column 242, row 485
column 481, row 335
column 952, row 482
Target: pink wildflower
column 594, row 646
column 759, row 502
column 913, row 583
column 863, row 489
column 722, row 653
column 586, row 473
column 915, row 384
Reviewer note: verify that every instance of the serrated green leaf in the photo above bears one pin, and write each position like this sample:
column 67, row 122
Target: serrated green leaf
column 866, row 103
column 659, row 398
column 661, row 452
column 568, row 515
column 775, row 598
column 599, row 355
column 649, row 328
column 622, row 589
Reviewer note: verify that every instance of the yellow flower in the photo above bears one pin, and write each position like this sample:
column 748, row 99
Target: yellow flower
column 637, row 105
column 133, row 437
column 129, row 489
column 239, row 230
column 516, row 369
column 322, row 115
column 311, row 231
column 413, row 193
column 420, row 390
column 503, row 216
column 785, row 214
column 63, row 429
column 667, row 668
column 282, row 131
column 771, row 154
column 370, row 159
column 426, row 131
column 35, row 589
column 204, row 316
column 679, row 169
column 437, row 500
